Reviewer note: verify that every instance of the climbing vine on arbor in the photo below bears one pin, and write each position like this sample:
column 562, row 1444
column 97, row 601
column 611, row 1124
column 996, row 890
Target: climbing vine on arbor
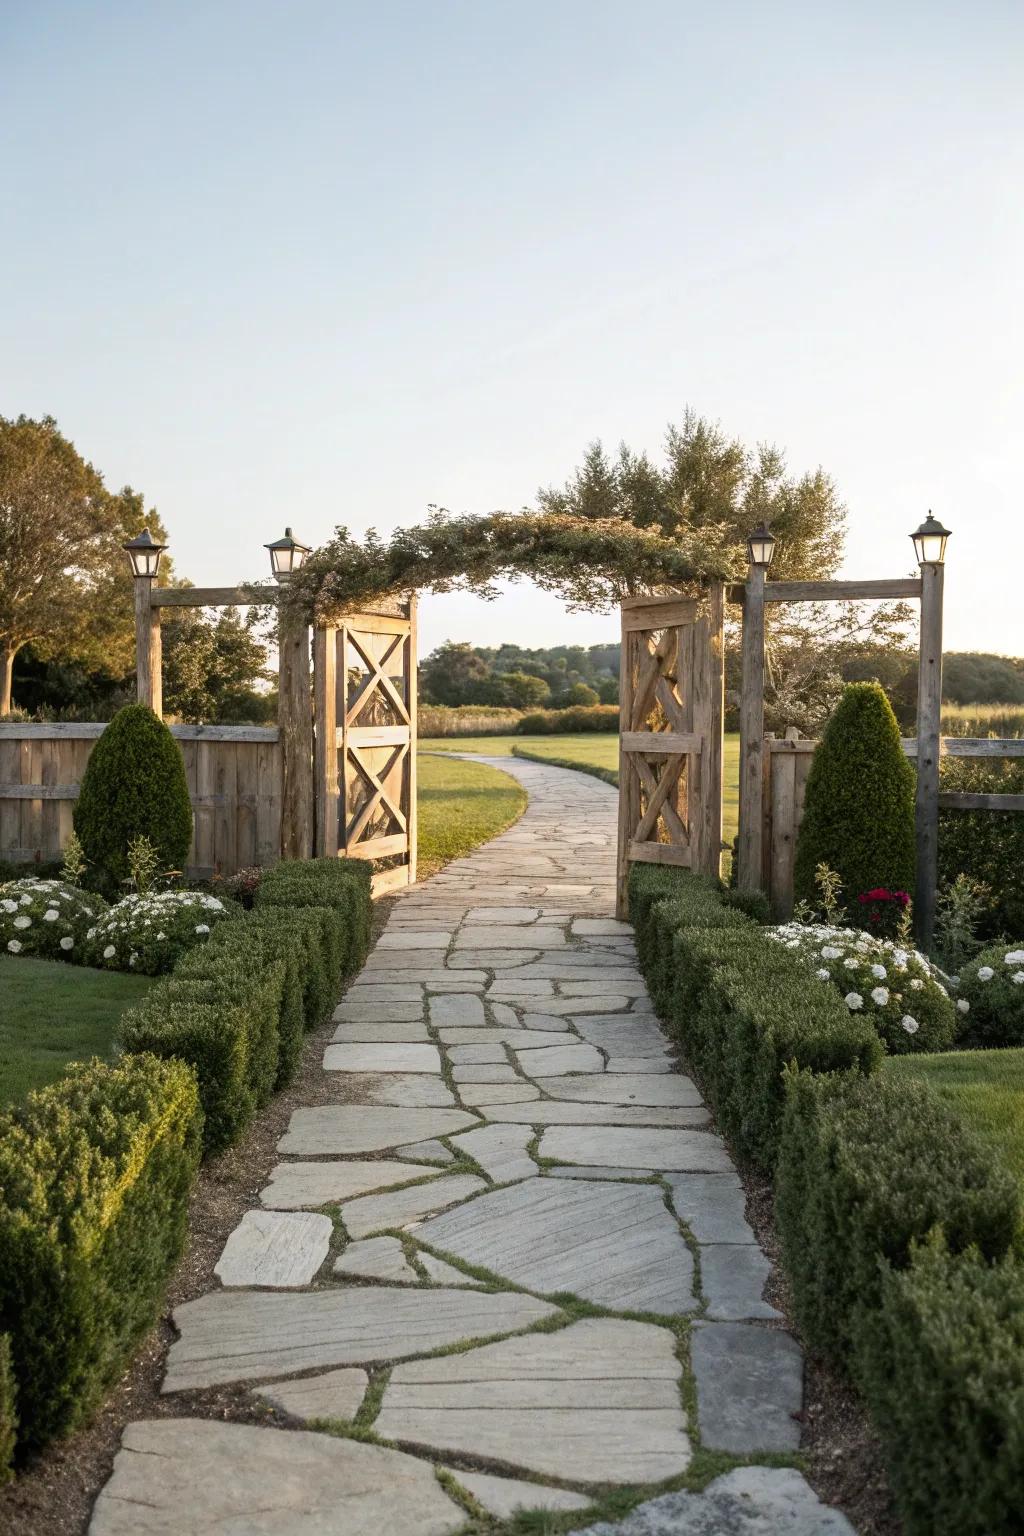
column 591, row 564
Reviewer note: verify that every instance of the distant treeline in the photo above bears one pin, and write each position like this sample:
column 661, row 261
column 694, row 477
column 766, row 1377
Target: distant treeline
column 513, row 677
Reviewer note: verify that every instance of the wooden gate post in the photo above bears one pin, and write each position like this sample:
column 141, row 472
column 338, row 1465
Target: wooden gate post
column 148, row 649
column 929, row 748
column 749, row 876
column 295, row 721
column 704, row 787
column 325, row 740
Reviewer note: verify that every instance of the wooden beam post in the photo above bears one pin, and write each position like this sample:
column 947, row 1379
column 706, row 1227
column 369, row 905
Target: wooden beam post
column 749, row 858
column 148, row 650
column 325, row 749
column 411, row 701
column 929, row 748
column 295, row 719
column 629, row 789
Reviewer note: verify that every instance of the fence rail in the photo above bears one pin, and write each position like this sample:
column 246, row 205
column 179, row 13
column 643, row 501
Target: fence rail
column 234, row 776
column 786, row 763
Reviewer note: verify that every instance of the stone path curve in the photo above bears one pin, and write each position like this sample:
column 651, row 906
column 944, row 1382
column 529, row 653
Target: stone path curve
column 512, row 1247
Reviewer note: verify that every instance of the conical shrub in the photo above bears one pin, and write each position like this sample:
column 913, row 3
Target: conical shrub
column 859, row 806
column 134, row 785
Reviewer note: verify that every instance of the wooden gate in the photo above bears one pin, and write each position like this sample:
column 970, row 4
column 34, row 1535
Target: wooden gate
column 364, row 691
column 670, row 742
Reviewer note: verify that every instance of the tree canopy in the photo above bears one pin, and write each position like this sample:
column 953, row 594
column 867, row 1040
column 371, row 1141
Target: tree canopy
column 64, row 582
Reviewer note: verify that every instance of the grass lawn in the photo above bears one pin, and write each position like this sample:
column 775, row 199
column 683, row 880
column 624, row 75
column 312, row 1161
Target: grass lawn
column 460, row 806
column 594, row 749
column 986, row 1086
column 51, row 1013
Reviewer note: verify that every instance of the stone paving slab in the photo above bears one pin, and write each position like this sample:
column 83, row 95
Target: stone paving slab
column 558, row 1060
column 354, row 1011
column 504, row 1496
column 626, row 1088
column 712, row 1205
column 433, row 1151
column 400, row 1090
column 401, row 1206
column 192, row 1477
column 295, row 1186
column 275, row 1248
column 458, row 1010
column 595, row 1402
column 628, row 1147
column 337, row 1129
column 501, row 1151
column 257, row 1335
column 749, row 1387
column 557, row 1113
column 334, row 1395
column 733, row 1277
column 377, row 1258
column 378, row 1034
column 614, row 1244
column 751, row 1501
column 382, row 1058
column 482, row 1096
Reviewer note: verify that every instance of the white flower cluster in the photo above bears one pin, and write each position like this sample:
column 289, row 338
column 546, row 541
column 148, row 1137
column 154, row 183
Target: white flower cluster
column 877, row 976
column 46, row 917
column 1013, row 957
column 148, row 933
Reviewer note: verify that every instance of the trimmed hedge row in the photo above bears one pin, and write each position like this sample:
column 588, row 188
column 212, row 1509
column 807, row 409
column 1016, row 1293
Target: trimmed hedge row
column 942, row 1369
column 739, row 1003
column 236, row 1009
column 865, row 1169
column 8, row 1412
column 95, row 1174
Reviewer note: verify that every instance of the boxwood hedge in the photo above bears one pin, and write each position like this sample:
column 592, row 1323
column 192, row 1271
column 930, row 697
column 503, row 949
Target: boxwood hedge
column 942, row 1368
column 865, row 1169
column 95, row 1173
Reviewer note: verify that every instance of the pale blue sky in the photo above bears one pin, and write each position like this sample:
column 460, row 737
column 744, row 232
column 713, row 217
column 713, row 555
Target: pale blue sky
column 324, row 262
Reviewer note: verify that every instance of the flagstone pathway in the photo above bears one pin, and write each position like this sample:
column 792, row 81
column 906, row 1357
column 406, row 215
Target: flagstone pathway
column 512, row 1248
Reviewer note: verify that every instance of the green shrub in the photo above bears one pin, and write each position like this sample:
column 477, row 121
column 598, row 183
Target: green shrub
column 896, row 989
column 220, row 1011
column 47, row 918
column 95, row 1174
column 942, row 1367
column 697, row 905
column 991, row 997
column 134, row 785
column 859, row 807
column 743, row 1010
column 754, row 904
column 986, row 845
column 149, row 934
column 564, row 722
column 8, row 1413
column 867, row 1167
column 342, row 886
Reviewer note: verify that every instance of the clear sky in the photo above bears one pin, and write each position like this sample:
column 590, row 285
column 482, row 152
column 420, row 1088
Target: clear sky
column 323, row 262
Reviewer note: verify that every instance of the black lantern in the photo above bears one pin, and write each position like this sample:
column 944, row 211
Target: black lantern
column 761, row 546
column 286, row 555
column 144, row 553
column 930, row 542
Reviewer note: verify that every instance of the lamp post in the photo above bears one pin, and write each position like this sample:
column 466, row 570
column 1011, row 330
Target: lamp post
column 286, row 555
column 293, row 707
column 930, row 547
column 144, row 553
column 760, row 548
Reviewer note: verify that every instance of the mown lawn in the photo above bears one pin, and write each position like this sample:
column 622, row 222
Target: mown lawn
column 987, row 1087
column 52, row 1014
column 461, row 805
column 594, row 749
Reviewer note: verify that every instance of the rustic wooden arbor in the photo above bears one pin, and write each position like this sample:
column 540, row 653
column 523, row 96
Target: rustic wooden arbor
column 670, row 743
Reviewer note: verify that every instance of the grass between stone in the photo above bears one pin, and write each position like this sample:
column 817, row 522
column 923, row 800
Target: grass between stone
column 986, row 1087
column 54, row 1014
column 461, row 805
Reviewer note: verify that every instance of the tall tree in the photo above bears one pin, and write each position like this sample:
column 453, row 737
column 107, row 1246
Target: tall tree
column 712, row 482
column 64, row 585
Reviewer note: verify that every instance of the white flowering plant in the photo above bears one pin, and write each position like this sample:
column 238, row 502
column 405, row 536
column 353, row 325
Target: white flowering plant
column 991, row 997
column 47, row 918
column 894, row 986
column 148, row 933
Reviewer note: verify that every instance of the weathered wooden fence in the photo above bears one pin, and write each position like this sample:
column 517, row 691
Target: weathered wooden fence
column 234, row 777
column 786, row 764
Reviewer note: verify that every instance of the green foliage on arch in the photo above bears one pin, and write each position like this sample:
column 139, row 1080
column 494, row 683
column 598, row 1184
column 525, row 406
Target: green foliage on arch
column 588, row 562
